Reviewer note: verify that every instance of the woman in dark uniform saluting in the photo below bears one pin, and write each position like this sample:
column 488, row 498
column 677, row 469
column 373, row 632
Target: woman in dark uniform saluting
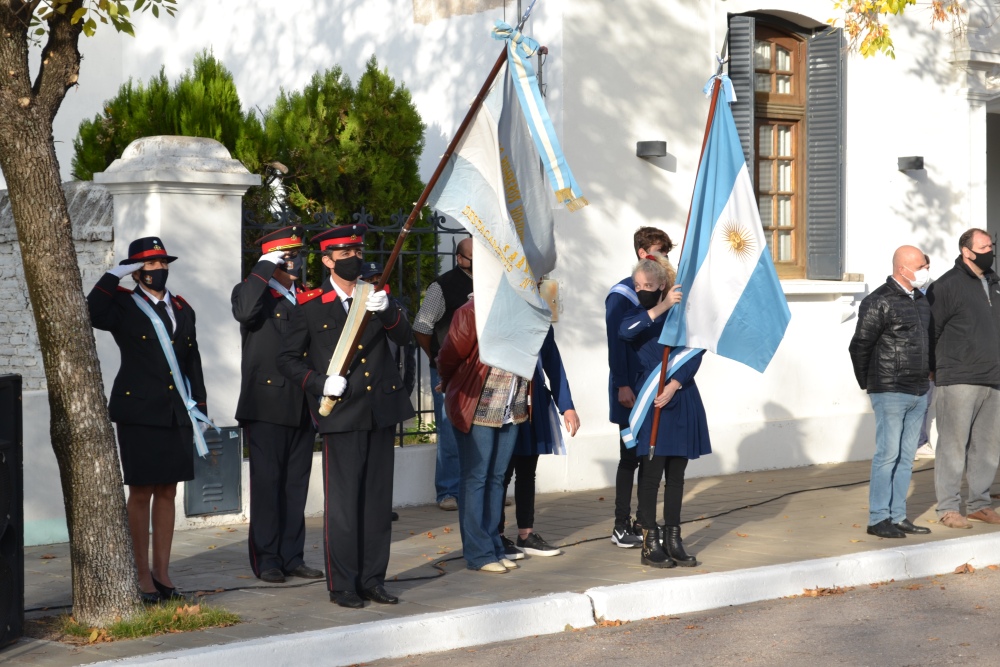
column 155, row 432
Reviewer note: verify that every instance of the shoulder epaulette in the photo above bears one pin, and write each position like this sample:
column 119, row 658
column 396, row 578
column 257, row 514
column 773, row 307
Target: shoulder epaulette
column 180, row 301
column 303, row 297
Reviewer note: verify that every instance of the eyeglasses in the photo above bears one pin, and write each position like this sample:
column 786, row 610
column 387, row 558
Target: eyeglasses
column 467, row 259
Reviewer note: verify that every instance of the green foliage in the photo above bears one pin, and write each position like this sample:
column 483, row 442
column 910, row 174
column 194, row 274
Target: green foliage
column 348, row 147
column 202, row 103
column 91, row 12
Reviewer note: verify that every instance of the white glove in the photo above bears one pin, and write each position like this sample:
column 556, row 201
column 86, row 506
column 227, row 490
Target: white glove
column 275, row 257
column 335, row 385
column 123, row 270
column 377, row 302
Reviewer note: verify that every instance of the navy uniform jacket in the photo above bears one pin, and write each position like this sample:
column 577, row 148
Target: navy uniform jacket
column 375, row 396
column 264, row 316
column 622, row 359
column 144, row 391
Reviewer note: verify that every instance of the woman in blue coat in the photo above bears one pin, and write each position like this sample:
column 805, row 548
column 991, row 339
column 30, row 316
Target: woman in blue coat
column 539, row 435
column 683, row 429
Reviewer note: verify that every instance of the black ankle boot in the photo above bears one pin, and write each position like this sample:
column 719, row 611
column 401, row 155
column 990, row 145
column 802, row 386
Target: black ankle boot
column 675, row 548
column 652, row 554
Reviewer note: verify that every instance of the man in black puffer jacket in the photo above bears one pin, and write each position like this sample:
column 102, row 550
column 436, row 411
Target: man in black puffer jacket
column 965, row 353
column 891, row 356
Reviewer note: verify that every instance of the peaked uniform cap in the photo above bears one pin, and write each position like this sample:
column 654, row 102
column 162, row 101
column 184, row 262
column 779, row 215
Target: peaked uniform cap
column 346, row 236
column 286, row 238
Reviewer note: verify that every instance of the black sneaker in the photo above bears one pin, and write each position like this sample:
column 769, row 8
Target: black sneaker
column 623, row 537
column 535, row 545
column 509, row 550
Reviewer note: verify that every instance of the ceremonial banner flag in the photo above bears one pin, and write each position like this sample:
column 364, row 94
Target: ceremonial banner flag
column 492, row 186
column 733, row 304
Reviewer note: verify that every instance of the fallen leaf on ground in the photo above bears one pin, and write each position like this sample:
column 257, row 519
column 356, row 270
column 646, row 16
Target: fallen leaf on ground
column 824, row 592
column 856, row 541
column 964, row 568
column 856, row 525
column 47, row 557
column 430, row 535
column 993, row 567
column 692, row 627
column 742, row 535
column 447, row 529
column 211, row 546
column 914, row 587
column 601, row 498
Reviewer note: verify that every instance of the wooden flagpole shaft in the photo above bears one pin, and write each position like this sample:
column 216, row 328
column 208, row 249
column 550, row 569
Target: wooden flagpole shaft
column 666, row 350
column 326, row 405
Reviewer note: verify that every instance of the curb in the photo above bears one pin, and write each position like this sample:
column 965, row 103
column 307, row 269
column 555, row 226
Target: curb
column 550, row 614
column 365, row 642
column 636, row 601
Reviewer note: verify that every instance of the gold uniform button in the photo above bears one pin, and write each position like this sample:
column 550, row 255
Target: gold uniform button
column 369, row 388
column 324, row 326
column 305, row 354
column 170, row 373
column 361, row 347
column 128, row 393
column 170, row 387
column 393, row 386
column 144, row 338
column 277, row 314
column 367, row 373
column 364, row 361
column 269, row 382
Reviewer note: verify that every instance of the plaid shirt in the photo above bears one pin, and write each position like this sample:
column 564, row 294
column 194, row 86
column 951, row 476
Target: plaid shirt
column 504, row 400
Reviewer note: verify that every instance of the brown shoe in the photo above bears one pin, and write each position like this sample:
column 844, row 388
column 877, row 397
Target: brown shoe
column 954, row 520
column 986, row 515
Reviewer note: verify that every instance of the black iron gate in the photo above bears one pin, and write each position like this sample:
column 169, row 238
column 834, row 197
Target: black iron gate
column 428, row 251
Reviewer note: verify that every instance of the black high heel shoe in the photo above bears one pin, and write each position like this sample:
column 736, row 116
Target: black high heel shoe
column 167, row 593
column 150, row 598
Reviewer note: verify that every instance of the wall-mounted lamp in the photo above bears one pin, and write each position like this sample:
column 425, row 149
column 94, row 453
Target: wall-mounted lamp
column 648, row 149
column 912, row 163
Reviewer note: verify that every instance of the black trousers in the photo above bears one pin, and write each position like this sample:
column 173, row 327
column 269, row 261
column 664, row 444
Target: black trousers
column 524, row 490
column 280, row 463
column 628, row 461
column 672, row 467
column 357, row 507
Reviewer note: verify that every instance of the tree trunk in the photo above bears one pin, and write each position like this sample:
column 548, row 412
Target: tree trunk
column 104, row 579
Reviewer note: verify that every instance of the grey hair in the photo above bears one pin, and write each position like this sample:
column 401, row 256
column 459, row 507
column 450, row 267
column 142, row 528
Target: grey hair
column 652, row 269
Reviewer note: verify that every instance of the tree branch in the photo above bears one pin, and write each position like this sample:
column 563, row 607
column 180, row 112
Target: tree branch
column 60, row 66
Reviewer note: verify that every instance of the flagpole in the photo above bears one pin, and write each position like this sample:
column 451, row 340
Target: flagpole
column 326, row 405
column 666, row 350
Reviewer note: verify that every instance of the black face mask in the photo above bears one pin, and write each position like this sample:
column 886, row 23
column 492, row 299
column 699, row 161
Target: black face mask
column 293, row 266
column 648, row 298
column 348, row 268
column 155, row 280
column 984, row 260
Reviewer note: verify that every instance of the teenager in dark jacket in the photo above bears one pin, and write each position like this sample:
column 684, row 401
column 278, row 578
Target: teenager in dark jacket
column 890, row 352
column 965, row 358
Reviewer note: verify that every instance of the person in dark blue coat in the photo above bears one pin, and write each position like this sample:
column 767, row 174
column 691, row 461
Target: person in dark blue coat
column 683, row 428
column 539, row 435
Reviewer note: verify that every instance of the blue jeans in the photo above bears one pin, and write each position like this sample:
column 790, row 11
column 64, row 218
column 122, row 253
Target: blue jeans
column 447, row 471
column 898, row 418
column 484, row 453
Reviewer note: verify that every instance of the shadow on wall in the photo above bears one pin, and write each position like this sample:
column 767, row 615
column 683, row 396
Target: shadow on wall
column 608, row 109
column 931, row 209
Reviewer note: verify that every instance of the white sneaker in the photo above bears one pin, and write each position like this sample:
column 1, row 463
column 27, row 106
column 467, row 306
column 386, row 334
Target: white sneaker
column 924, row 451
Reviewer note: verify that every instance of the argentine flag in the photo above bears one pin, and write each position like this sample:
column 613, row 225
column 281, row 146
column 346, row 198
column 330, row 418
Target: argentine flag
column 733, row 304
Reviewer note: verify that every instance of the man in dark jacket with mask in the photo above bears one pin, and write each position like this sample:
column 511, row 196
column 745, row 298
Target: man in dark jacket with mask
column 965, row 353
column 890, row 352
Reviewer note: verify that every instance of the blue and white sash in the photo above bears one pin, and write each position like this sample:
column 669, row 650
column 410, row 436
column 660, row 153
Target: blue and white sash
column 626, row 292
column 183, row 386
column 644, row 401
column 520, row 48
column 280, row 289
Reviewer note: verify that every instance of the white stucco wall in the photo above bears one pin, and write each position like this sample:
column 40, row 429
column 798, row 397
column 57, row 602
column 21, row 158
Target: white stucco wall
column 618, row 73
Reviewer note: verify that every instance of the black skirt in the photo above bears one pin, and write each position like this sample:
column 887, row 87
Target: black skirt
column 156, row 455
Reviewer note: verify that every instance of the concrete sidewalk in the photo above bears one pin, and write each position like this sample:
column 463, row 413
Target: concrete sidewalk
column 733, row 523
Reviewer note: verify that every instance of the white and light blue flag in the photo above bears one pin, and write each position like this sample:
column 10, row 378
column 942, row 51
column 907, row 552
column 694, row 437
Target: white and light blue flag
column 733, row 304
column 644, row 399
column 493, row 187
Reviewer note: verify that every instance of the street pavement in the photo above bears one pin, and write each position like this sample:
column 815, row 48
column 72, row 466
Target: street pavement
column 732, row 523
column 942, row 620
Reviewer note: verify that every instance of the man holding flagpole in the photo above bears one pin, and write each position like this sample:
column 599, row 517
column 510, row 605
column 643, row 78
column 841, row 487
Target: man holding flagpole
column 370, row 401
